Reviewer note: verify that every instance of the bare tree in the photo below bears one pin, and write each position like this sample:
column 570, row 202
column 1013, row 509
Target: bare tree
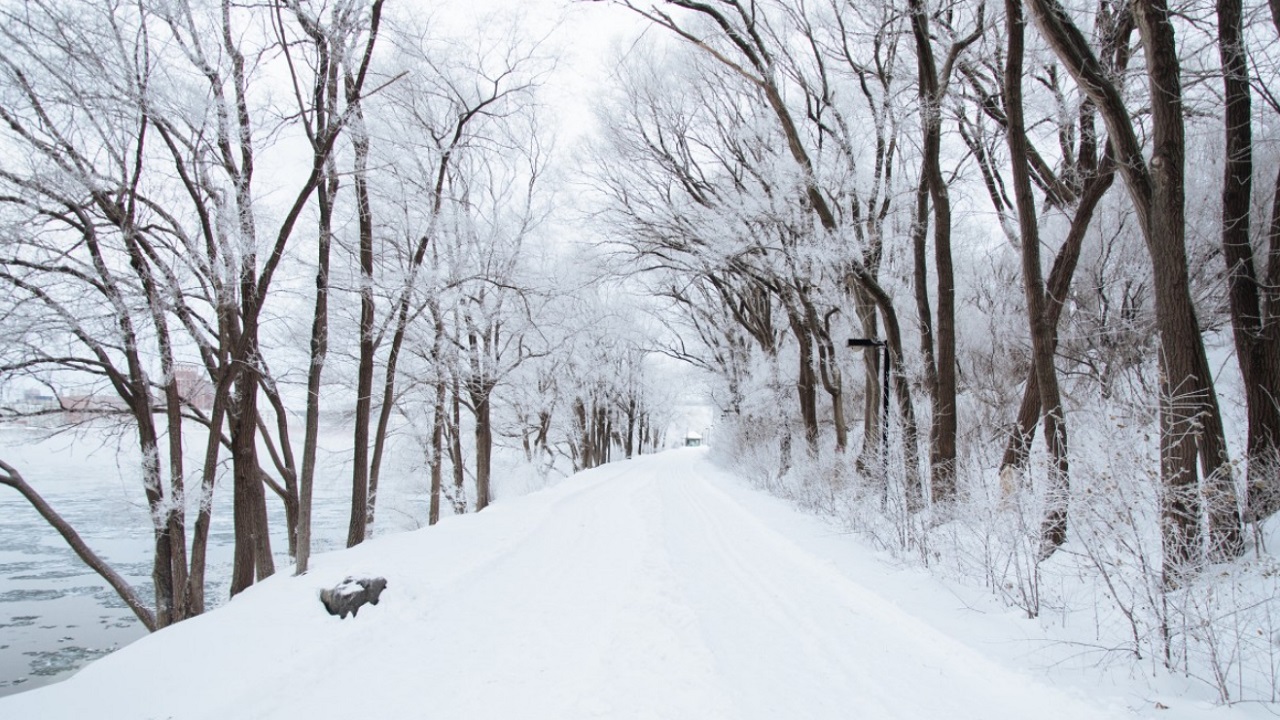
column 738, row 38
column 1191, row 425
column 940, row 354
column 1255, row 330
column 441, row 114
column 1054, row 530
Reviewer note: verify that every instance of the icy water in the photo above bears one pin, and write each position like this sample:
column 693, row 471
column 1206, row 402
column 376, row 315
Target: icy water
column 56, row 615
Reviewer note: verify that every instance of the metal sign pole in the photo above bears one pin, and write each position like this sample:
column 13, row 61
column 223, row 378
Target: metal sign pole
column 884, row 395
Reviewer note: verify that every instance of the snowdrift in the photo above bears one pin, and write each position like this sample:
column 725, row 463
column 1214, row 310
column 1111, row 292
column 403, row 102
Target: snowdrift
column 653, row 588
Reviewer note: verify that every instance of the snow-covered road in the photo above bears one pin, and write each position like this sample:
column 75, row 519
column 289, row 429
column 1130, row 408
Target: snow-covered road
column 643, row 589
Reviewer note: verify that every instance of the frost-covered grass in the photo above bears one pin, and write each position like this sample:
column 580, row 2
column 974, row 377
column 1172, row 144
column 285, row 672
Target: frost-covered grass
column 1100, row 598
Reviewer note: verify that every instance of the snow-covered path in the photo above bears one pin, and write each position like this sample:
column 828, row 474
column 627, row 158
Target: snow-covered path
column 643, row 589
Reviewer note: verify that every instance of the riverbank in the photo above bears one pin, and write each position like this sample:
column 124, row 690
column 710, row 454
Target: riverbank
column 56, row 615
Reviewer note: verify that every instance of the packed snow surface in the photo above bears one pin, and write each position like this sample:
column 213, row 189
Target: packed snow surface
column 652, row 588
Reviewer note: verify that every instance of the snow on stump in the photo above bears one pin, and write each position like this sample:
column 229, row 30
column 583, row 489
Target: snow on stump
column 350, row 594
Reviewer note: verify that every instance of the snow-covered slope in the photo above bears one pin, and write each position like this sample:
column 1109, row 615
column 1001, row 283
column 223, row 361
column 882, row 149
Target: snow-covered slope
column 652, row 588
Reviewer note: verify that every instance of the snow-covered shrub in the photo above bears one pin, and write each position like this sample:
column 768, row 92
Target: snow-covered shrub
column 751, row 446
column 1103, row 593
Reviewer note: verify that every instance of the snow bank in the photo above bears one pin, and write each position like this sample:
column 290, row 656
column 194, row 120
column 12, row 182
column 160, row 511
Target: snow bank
column 653, row 588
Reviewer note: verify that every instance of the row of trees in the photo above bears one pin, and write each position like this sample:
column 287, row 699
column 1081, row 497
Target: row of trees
column 790, row 177
column 201, row 199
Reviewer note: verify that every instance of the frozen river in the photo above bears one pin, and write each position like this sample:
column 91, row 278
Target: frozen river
column 55, row 613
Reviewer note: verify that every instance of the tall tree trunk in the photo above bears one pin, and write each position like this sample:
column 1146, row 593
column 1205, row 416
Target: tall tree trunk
column 1059, row 286
column 1190, row 421
column 438, row 420
column 455, row 453
column 1053, row 532
column 600, row 433
column 608, row 437
column 1265, row 446
column 629, row 441
column 806, row 383
column 326, row 127
column 162, row 561
column 175, row 513
column 828, row 368
column 167, row 508
column 943, row 433
column 252, row 557
column 872, row 421
column 1194, row 423
column 249, row 499
column 282, row 458
column 484, row 448
column 1264, row 464
column 833, row 384
column 920, row 283
column 901, row 386
column 1257, row 343
column 361, row 502
column 166, row 503
column 584, row 435
column 208, row 479
column 437, row 451
column 319, row 352
column 912, row 481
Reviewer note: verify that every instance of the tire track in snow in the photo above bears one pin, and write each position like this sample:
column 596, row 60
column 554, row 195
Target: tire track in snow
column 767, row 640
column 802, row 640
column 514, row 635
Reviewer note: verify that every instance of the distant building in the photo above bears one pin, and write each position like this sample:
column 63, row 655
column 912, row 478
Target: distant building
column 36, row 401
column 79, row 408
column 692, row 439
column 194, row 387
column 37, row 397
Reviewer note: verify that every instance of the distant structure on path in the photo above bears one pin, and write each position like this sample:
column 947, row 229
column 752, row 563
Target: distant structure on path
column 692, row 439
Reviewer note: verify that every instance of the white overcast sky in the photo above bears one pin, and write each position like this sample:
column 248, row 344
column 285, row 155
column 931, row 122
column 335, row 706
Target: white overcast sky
column 585, row 35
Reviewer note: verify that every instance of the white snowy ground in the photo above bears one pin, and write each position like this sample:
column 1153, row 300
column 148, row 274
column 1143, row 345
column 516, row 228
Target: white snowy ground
column 654, row 588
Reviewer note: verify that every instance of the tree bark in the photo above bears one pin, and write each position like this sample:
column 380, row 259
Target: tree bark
column 943, row 432
column 437, row 452
column 252, row 556
column 583, row 427
column 872, row 422
column 363, row 486
column 1059, row 286
column 204, row 517
column 455, row 453
column 484, row 449
column 315, row 370
column 360, row 486
column 438, row 420
column 629, row 438
column 806, row 383
column 1191, row 425
column 1257, row 341
column 828, row 367
column 1053, row 532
